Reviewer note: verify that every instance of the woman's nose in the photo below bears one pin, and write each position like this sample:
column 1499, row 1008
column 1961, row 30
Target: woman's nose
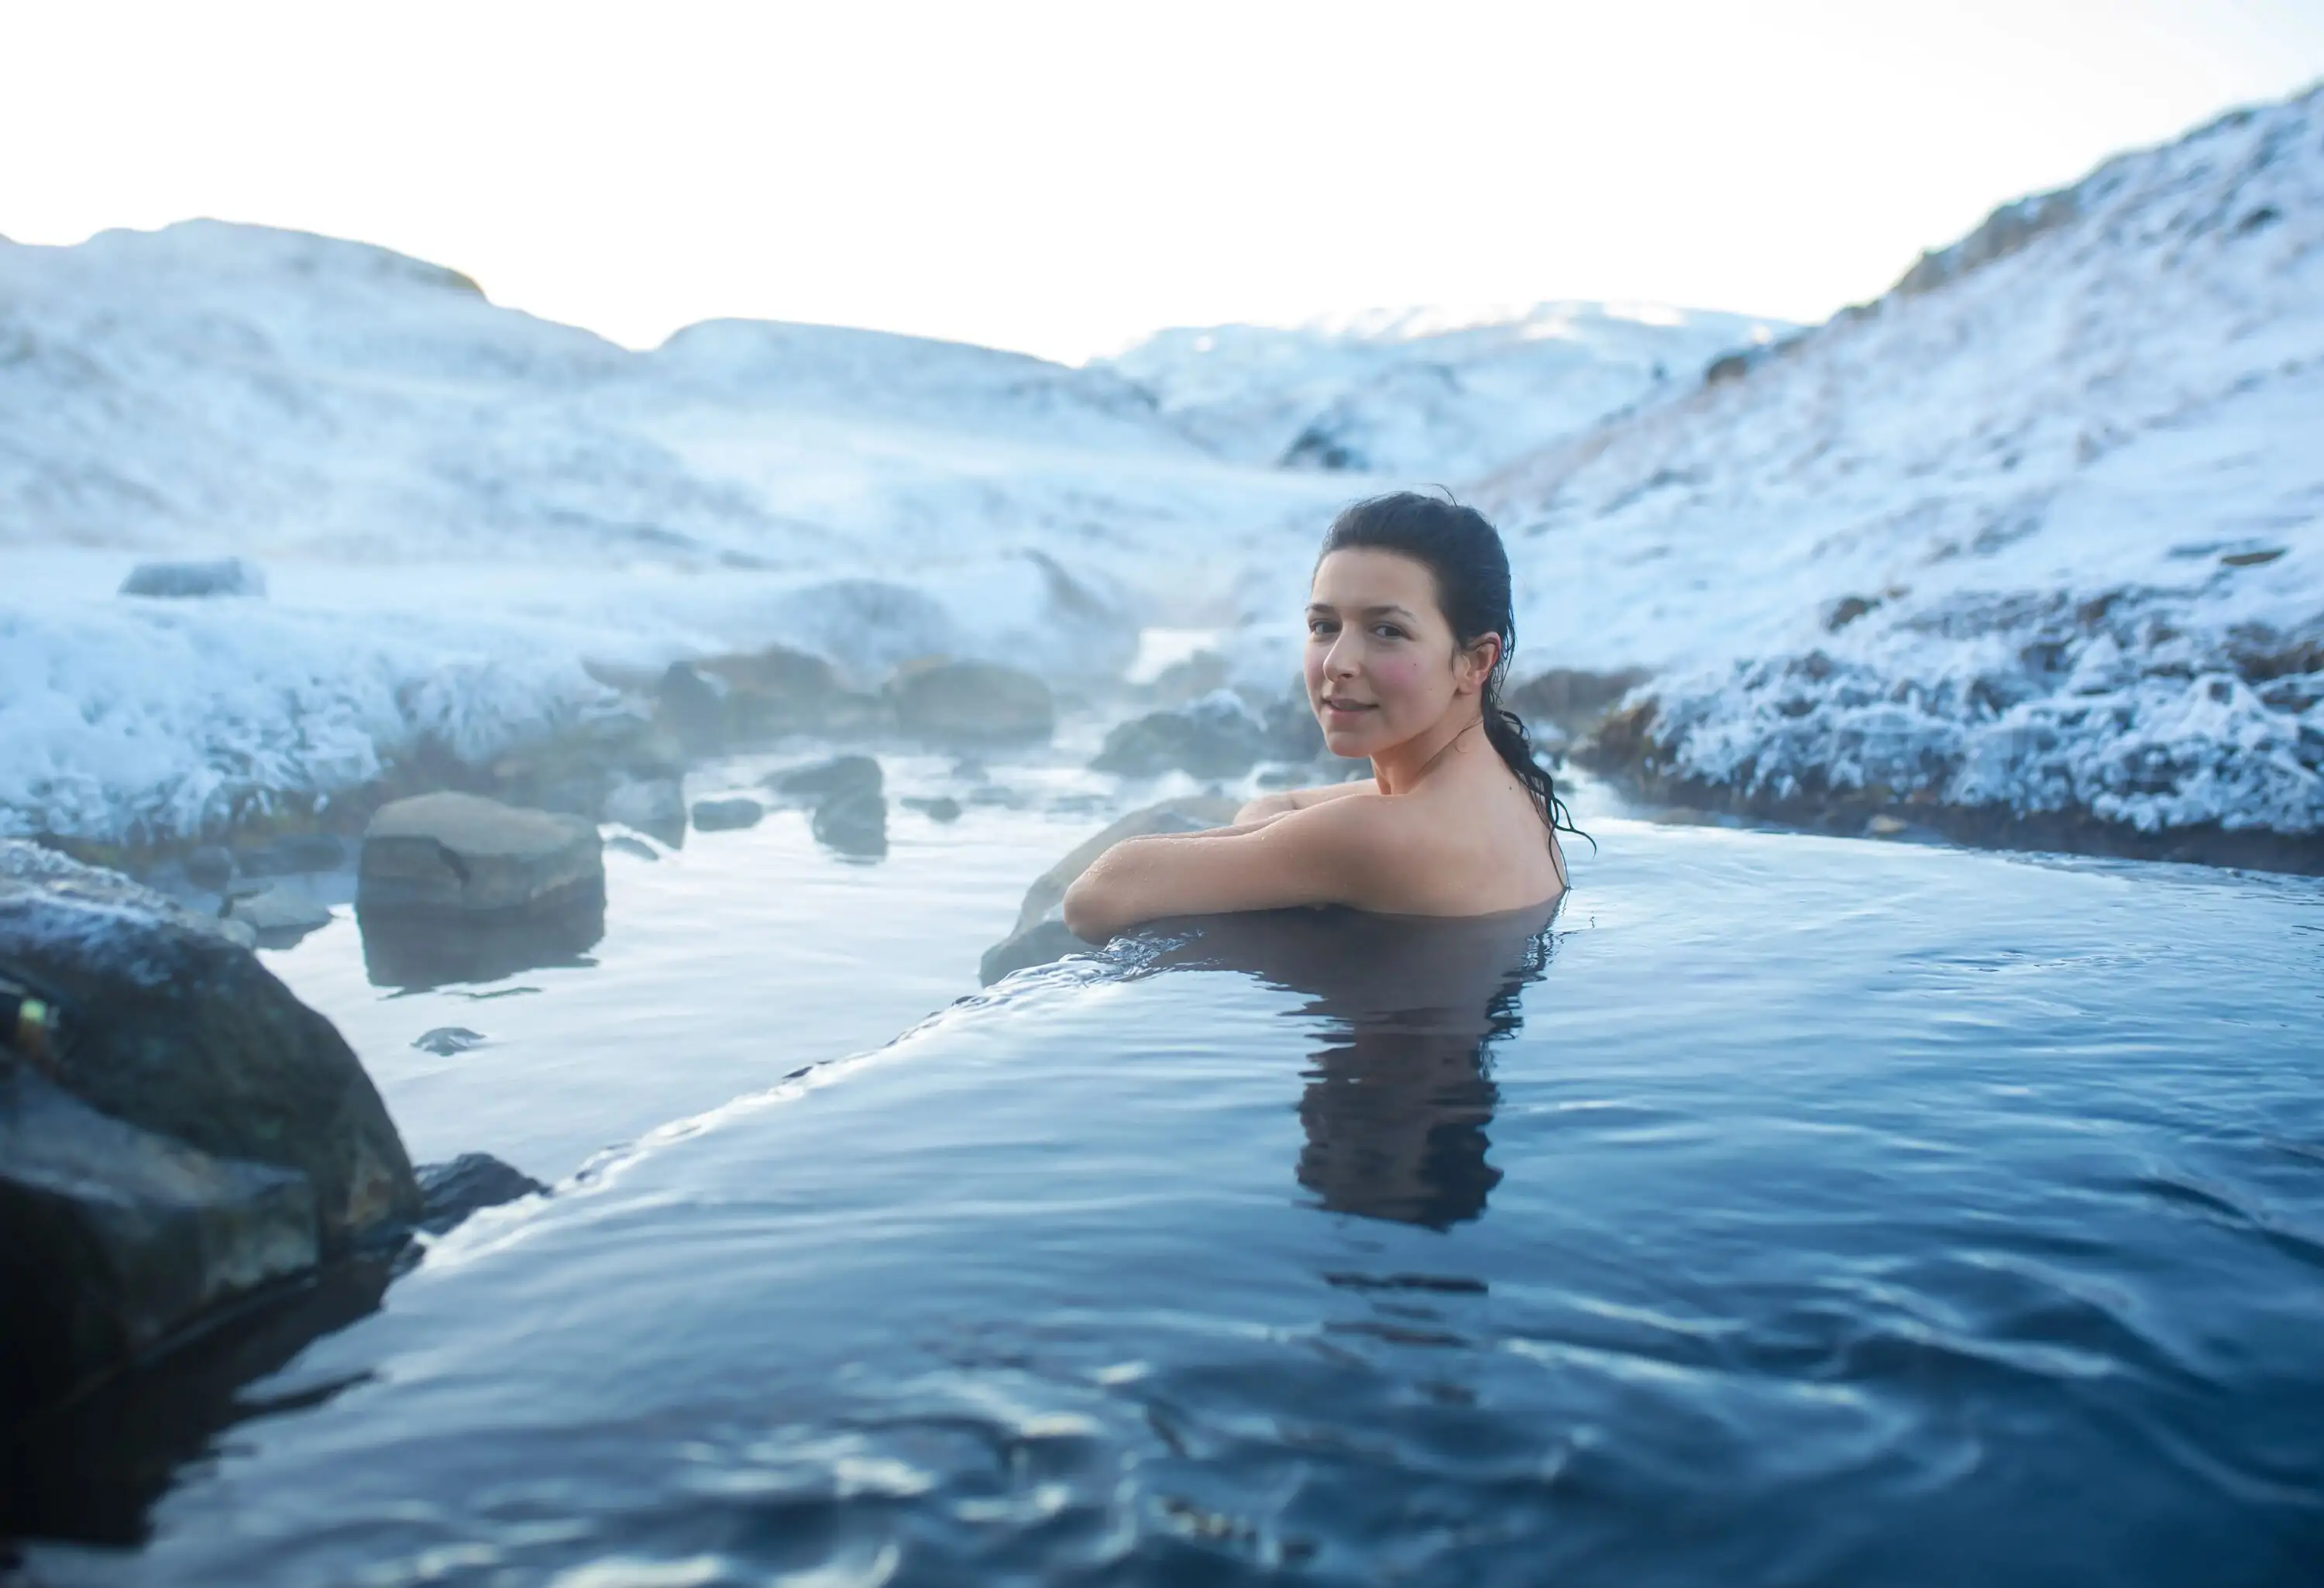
column 1340, row 660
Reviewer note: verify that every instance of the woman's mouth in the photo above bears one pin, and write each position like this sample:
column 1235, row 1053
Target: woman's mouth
column 1343, row 707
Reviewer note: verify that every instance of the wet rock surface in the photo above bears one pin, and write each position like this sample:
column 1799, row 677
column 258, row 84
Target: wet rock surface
column 278, row 915
column 116, row 1238
column 468, row 1184
column 1040, row 935
column 854, row 822
column 842, row 774
column 460, row 855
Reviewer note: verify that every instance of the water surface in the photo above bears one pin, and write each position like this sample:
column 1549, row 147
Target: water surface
column 1790, row 1210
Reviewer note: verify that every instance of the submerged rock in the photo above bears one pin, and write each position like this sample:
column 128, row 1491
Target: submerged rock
column 117, row 1238
column 469, row 1184
column 973, row 703
column 226, row 576
column 278, row 915
column 719, row 815
column 463, row 856
column 1216, row 737
column 1040, row 935
column 943, row 807
column 444, row 1041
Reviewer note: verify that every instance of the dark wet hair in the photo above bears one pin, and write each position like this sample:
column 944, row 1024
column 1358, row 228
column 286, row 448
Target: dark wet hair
column 1464, row 556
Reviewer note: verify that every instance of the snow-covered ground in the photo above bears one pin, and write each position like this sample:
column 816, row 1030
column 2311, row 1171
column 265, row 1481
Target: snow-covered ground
column 2037, row 531
column 2042, row 530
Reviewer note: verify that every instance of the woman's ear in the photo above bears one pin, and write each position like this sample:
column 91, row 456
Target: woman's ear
column 1476, row 664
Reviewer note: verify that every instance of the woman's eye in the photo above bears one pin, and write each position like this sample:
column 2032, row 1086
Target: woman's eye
column 1316, row 625
column 1389, row 632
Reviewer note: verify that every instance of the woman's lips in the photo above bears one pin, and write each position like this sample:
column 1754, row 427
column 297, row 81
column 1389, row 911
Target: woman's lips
column 1346, row 707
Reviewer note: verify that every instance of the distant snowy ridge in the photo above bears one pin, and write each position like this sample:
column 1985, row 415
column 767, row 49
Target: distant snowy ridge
column 1426, row 393
column 2040, row 532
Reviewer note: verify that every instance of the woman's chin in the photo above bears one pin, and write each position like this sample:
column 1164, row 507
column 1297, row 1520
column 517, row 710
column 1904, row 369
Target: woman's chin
column 1348, row 745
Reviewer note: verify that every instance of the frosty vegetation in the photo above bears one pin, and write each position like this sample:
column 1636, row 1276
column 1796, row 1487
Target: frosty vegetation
column 2035, row 533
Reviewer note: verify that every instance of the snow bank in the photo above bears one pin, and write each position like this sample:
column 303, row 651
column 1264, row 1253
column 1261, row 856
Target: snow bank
column 2037, row 532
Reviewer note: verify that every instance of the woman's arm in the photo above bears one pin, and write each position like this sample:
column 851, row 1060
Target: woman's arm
column 1290, row 800
column 1335, row 853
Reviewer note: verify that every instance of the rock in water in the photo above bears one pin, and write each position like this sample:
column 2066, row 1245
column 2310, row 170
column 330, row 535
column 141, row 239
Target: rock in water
column 117, row 1238
column 444, row 1041
column 1040, row 934
column 943, row 807
column 182, row 1032
column 776, row 691
column 653, row 806
column 210, row 866
column 227, row 575
column 854, row 822
column 1217, row 736
column 842, row 774
column 278, row 915
column 469, row 1184
column 719, row 815
column 462, row 856
column 973, row 703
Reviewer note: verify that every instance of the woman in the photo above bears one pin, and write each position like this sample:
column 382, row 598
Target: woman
column 1408, row 634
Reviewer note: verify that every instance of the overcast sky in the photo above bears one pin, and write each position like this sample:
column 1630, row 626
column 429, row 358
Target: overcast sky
column 1062, row 178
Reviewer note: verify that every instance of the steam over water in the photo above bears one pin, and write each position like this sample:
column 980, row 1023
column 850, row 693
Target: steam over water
column 1788, row 1210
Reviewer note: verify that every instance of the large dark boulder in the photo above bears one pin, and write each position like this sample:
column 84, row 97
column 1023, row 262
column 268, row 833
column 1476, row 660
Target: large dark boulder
column 114, row 1238
column 968, row 703
column 179, row 1029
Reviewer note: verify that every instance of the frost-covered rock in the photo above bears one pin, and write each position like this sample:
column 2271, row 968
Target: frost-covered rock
column 2034, row 538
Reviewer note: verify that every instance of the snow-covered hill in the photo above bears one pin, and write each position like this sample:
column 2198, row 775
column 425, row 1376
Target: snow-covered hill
column 1427, row 394
column 2039, row 534
column 456, row 504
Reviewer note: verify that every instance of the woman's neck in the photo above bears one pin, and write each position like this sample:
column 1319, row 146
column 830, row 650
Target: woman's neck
column 1401, row 768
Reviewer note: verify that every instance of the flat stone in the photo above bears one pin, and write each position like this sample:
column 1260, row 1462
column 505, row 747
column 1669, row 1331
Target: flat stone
column 461, row 854
column 974, row 702
column 117, row 1238
column 719, row 815
column 444, row 1041
column 225, row 576
column 279, row 912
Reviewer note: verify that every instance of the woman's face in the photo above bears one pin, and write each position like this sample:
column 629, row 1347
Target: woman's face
column 1382, row 664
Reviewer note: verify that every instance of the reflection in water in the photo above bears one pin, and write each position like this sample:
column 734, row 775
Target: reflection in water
column 1398, row 1101
column 421, row 951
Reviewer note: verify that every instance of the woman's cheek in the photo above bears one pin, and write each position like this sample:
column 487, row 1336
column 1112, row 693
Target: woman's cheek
column 1396, row 679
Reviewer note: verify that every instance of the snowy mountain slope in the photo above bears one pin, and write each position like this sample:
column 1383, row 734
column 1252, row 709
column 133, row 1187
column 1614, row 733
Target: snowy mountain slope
column 1426, row 393
column 2040, row 532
